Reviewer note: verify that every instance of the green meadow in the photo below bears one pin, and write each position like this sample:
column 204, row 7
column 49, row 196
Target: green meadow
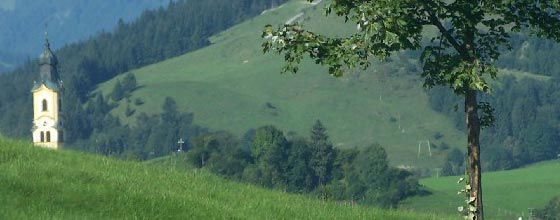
column 231, row 85
column 43, row 184
column 506, row 194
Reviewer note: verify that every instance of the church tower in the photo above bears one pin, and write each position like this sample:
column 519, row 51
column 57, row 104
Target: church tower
column 47, row 103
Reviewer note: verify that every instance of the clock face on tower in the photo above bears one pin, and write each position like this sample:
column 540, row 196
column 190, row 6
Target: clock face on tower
column 45, row 122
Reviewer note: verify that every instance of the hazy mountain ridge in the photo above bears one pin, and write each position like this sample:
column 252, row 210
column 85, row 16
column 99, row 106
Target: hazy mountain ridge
column 7, row 5
column 22, row 23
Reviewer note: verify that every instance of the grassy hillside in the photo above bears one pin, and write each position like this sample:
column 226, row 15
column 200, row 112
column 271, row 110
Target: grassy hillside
column 43, row 184
column 507, row 194
column 231, row 85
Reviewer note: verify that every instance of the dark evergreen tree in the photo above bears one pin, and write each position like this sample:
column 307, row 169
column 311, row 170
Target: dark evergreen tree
column 129, row 83
column 322, row 157
column 169, row 112
column 118, row 92
column 76, row 126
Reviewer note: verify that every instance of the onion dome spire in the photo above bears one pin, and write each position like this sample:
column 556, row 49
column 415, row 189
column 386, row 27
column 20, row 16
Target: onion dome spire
column 48, row 73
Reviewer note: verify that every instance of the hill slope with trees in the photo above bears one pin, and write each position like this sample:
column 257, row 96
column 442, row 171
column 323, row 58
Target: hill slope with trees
column 38, row 183
column 230, row 85
column 234, row 66
column 268, row 158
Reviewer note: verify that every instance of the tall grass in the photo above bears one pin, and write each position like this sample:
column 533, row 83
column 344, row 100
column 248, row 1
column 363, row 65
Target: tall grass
column 44, row 184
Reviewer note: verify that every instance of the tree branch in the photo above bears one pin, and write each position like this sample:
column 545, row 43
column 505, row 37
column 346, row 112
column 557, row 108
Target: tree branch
column 435, row 21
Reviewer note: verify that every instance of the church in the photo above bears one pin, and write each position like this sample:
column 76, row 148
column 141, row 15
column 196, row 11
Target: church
column 47, row 91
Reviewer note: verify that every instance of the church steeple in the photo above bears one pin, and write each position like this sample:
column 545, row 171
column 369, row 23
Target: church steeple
column 48, row 130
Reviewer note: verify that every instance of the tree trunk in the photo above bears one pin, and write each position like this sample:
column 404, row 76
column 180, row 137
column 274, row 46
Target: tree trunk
column 473, row 154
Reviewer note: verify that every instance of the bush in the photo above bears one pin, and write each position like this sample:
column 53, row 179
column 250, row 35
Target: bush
column 138, row 102
column 551, row 211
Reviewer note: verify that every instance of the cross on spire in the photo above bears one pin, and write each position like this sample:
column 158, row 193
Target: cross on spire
column 47, row 35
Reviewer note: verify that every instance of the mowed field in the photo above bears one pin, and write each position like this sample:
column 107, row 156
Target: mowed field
column 41, row 184
column 506, row 194
column 231, row 85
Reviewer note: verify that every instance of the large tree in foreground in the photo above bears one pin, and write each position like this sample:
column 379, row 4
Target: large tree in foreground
column 470, row 36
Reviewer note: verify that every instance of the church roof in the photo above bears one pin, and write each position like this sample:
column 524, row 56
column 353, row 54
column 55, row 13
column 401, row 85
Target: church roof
column 47, row 57
column 48, row 73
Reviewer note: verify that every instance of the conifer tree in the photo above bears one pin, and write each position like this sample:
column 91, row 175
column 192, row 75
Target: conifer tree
column 118, row 92
column 129, row 83
column 322, row 158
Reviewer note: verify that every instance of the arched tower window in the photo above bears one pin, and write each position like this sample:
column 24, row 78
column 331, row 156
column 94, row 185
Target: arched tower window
column 42, row 136
column 44, row 105
column 48, row 136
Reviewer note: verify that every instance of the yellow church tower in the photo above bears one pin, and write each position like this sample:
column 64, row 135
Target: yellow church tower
column 47, row 103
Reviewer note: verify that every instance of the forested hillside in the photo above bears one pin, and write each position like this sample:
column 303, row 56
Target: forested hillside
column 527, row 127
column 22, row 23
column 230, row 85
column 157, row 35
column 532, row 54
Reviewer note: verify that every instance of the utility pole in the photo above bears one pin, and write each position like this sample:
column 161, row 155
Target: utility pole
column 437, row 172
column 399, row 115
